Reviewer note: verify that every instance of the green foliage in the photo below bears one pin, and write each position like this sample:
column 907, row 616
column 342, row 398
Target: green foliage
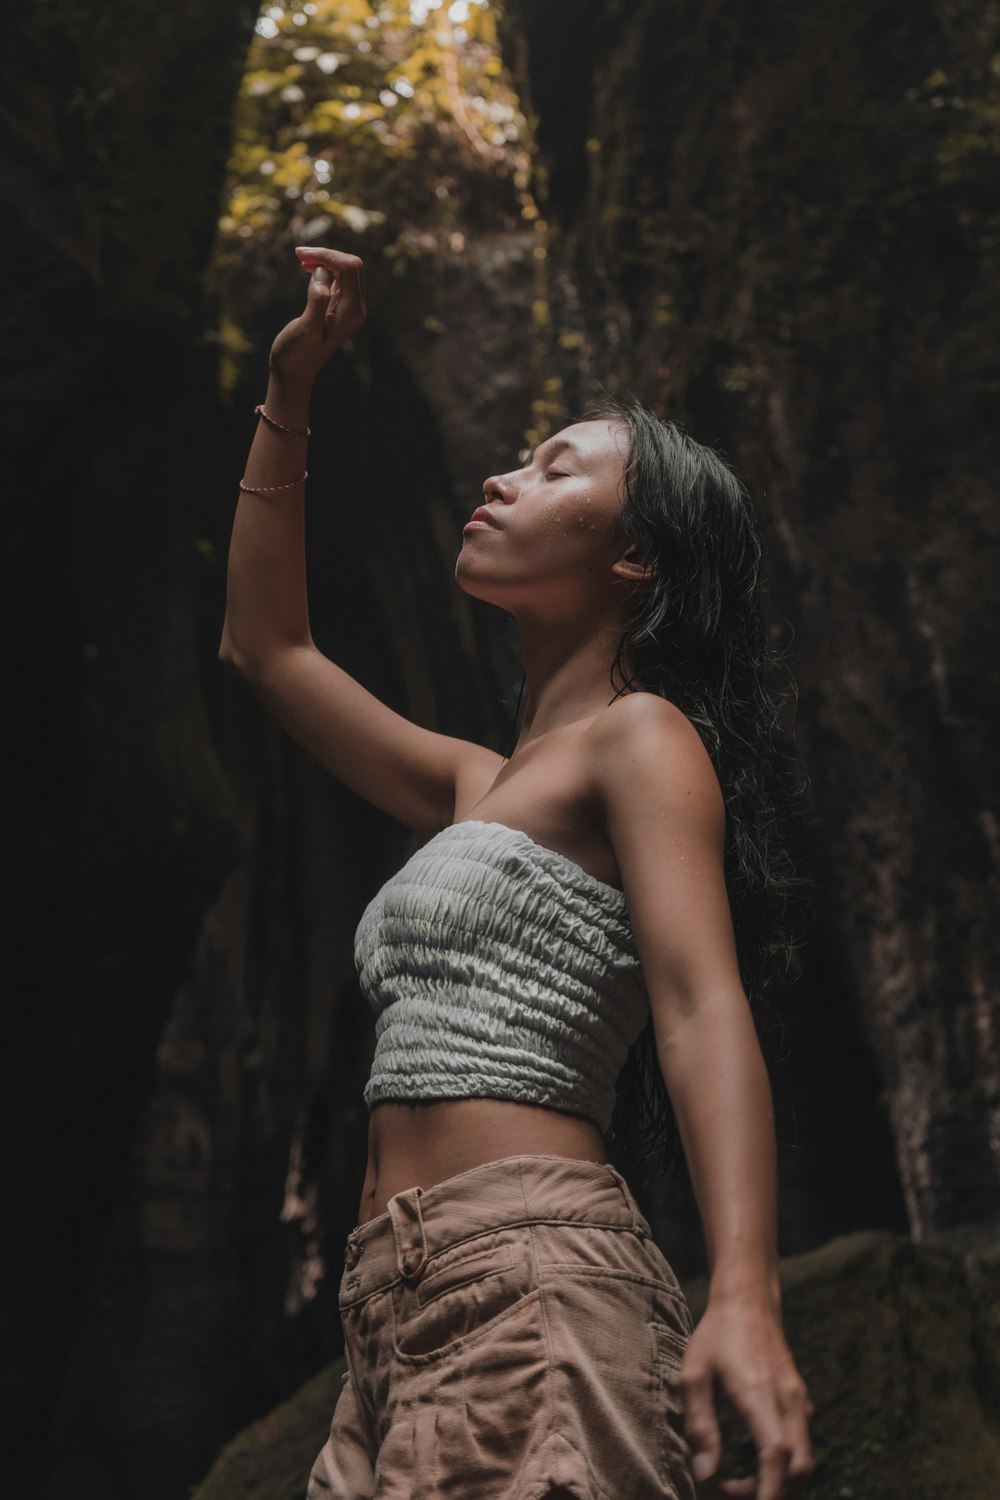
column 376, row 125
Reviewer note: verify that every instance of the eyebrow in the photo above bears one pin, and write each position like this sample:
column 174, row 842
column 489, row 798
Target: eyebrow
column 557, row 445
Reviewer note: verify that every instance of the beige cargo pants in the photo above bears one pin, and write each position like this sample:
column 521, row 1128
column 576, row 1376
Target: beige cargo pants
column 511, row 1333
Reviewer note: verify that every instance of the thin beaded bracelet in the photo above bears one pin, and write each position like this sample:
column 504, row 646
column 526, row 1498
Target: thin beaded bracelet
column 294, row 431
column 267, row 489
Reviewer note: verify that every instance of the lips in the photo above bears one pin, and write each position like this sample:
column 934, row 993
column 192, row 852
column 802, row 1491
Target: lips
column 482, row 514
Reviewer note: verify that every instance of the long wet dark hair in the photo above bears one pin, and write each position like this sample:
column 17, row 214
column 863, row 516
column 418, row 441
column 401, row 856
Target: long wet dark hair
column 697, row 637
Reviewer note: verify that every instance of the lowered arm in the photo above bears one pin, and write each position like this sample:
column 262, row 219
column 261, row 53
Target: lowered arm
column 666, row 822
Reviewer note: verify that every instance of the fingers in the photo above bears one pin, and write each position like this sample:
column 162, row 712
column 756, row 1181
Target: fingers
column 760, row 1410
column 779, row 1426
column 701, row 1427
column 735, row 1489
column 345, row 303
column 772, row 1466
column 333, row 260
column 317, row 298
column 796, row 1409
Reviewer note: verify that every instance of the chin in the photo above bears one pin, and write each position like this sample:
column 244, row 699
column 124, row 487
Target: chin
column 477, row 588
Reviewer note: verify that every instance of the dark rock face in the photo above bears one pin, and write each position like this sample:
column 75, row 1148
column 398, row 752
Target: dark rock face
column 780, row 225
column 216, row 1290
column 122, row 823
column 186, row 1126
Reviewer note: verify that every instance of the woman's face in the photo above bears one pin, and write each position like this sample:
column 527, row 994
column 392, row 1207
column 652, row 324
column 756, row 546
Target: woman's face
column 551, row 545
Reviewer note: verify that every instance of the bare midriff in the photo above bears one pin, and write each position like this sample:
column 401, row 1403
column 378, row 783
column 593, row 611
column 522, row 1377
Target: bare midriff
column 421, row 1144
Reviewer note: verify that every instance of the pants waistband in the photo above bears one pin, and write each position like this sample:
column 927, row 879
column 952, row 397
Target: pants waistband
column 513, row 1190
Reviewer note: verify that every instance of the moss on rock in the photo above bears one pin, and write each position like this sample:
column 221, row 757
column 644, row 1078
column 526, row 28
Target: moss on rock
column 898, row 1345
column 271, row 1459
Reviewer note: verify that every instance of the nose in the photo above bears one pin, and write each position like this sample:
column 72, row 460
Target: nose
column 500, row 487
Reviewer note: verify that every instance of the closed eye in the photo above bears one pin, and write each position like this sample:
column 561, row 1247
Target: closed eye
column 555, row 474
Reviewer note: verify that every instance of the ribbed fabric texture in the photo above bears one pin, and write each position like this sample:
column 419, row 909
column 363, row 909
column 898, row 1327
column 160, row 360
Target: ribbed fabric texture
column 498, row 968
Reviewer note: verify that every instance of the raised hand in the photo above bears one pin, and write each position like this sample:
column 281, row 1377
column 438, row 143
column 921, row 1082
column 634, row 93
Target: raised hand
column 335, row 309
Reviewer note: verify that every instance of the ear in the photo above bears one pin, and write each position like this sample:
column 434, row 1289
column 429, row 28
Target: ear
column 632, row 571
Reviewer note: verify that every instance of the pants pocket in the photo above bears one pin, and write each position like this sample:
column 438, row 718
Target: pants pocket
column 460, row 1293
column 670, row 1341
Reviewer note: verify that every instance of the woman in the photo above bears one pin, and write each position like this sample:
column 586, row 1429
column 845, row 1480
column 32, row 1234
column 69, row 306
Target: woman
column 511, row 1328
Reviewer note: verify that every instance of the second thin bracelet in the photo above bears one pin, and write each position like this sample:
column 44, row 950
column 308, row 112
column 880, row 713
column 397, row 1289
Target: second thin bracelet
column 293, row 431
column 266, row 489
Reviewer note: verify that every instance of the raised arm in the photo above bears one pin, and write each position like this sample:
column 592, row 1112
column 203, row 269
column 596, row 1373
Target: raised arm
column 665, row 819
column 409, row 772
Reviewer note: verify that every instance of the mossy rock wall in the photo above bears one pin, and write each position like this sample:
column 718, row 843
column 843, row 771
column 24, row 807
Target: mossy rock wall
column 779, row 223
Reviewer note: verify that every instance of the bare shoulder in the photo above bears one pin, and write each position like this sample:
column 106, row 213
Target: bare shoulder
column 475, row 771
column 644, row 751
column 664, row 816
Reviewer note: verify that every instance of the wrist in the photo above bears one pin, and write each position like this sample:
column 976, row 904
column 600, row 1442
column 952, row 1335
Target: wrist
column 741, row 1284
column 287, row 400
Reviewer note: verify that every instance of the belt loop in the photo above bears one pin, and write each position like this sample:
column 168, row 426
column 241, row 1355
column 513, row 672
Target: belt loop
column 637, row 1225
column 408, row 1228
column 353, row 1251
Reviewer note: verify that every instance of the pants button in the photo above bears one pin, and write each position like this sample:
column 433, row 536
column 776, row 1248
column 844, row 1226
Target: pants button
column 412, row 1261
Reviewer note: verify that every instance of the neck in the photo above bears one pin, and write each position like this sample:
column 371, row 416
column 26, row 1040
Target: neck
column 567, row 674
